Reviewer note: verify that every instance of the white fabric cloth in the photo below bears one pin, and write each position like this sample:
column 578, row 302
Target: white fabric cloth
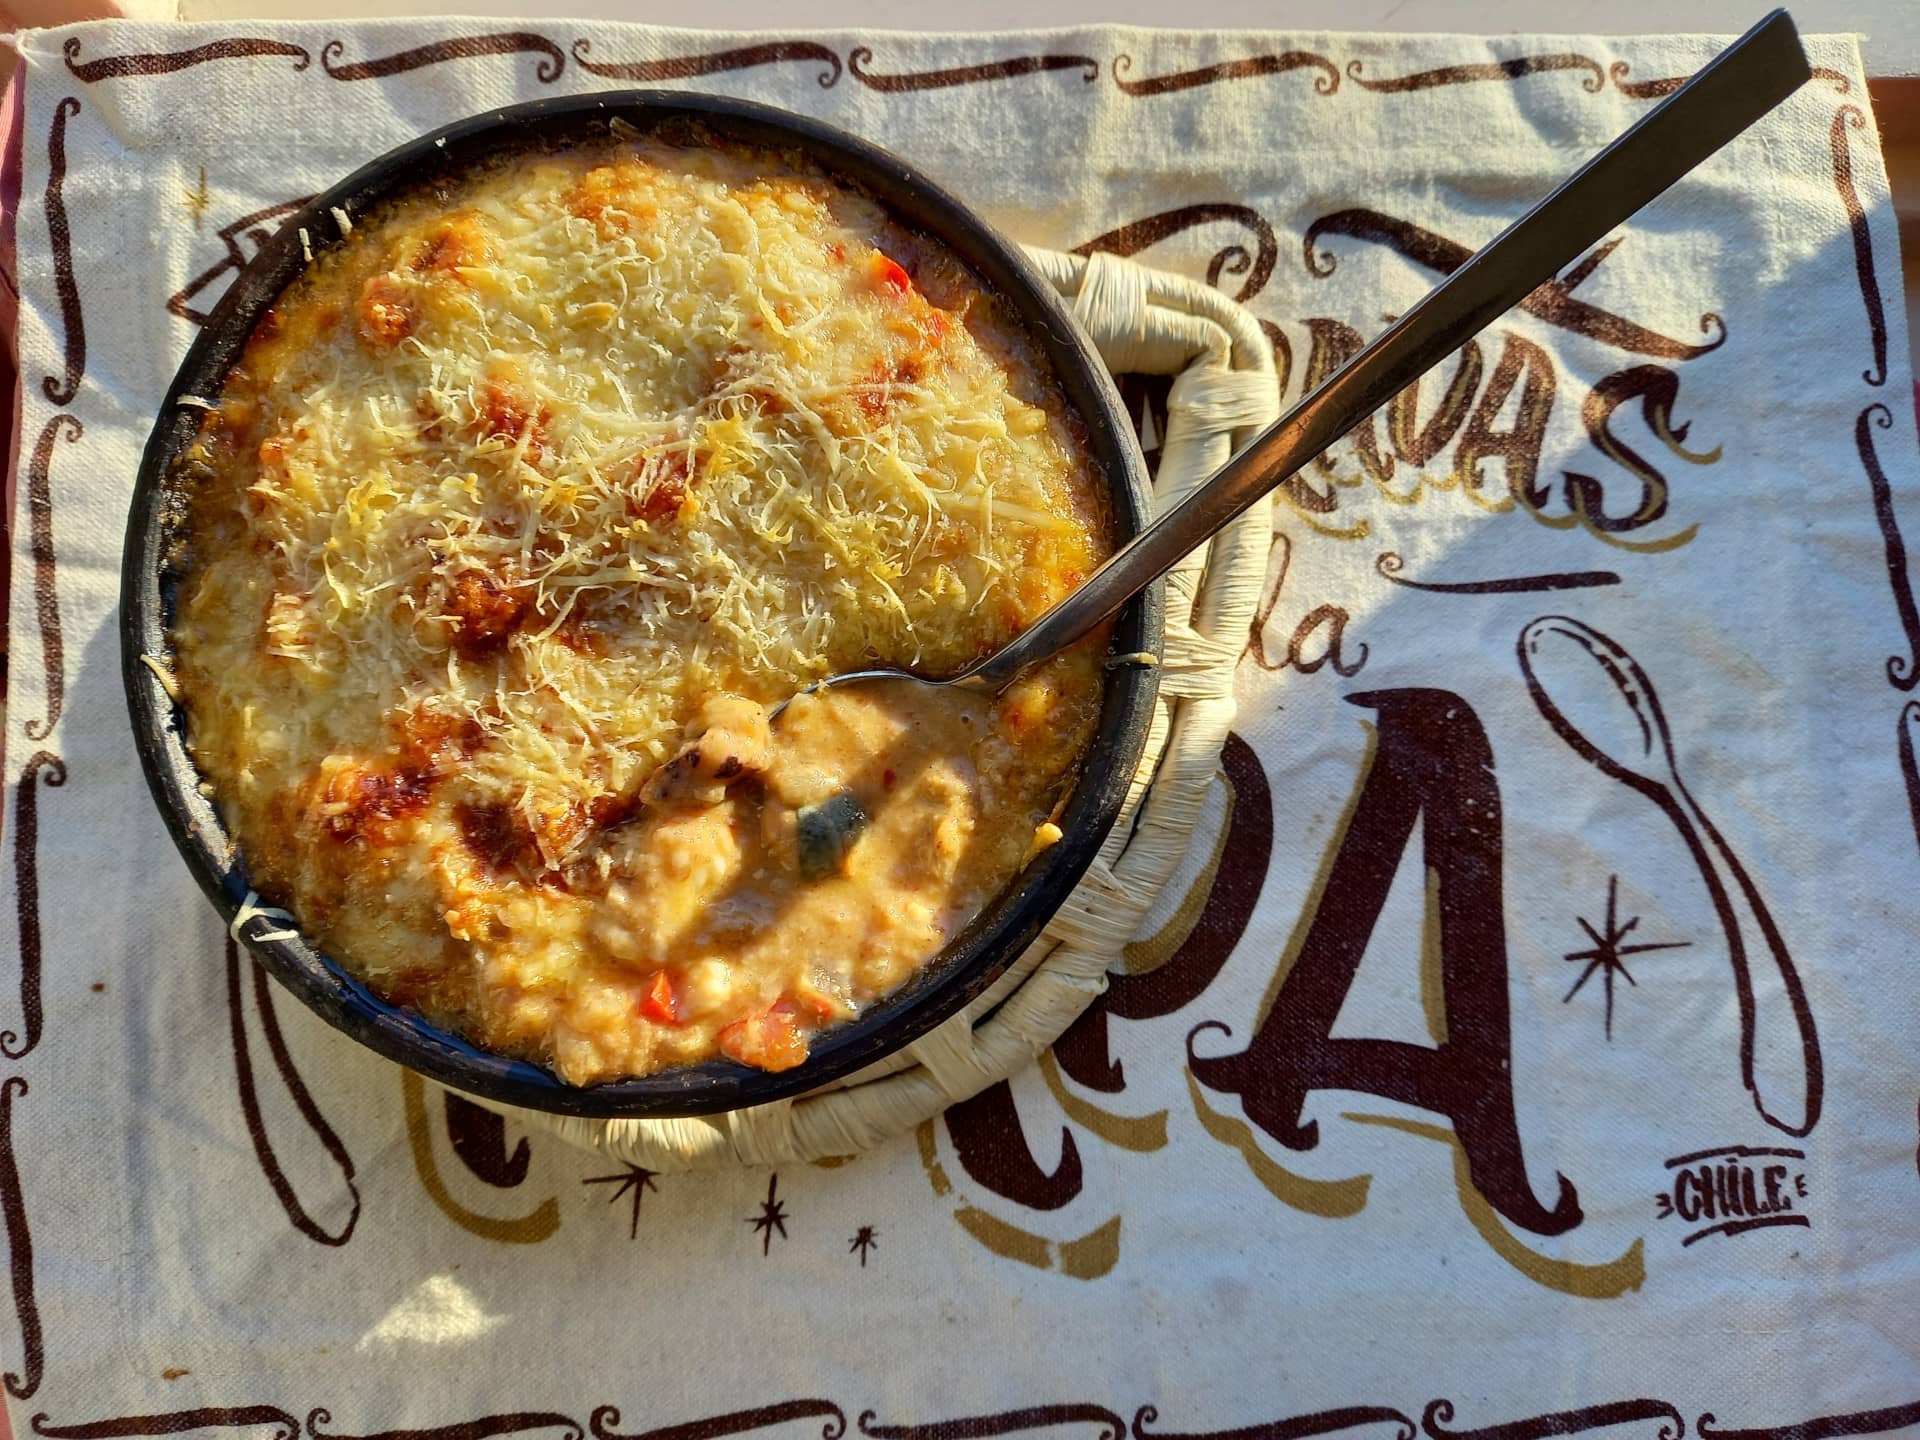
column 1697, row 450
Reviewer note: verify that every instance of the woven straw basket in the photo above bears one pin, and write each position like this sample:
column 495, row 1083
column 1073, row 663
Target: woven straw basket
column 1144, row 322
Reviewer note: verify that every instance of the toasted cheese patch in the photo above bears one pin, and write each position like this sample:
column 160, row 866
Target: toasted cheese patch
column 509, row 487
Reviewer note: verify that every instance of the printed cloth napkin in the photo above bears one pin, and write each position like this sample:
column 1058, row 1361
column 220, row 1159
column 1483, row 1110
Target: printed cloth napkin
column 1535, row 1050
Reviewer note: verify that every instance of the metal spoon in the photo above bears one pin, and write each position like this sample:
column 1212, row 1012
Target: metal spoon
column 1736, row 88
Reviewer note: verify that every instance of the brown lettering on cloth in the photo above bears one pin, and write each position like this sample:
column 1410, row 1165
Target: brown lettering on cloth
column 1735, row 1189
column 1136, row 235
column 1432, row 764
column 479, row 1138
column 1333, row 619
column 1177, row 982
column 1552, row 302
column 1656, row 388
column 1476, row 412
column 992, row 1149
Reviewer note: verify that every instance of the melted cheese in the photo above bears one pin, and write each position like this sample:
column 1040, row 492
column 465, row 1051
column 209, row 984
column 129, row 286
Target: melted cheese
column 505, row 487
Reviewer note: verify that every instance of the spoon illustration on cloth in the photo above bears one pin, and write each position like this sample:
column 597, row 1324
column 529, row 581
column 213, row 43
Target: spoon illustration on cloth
column 1728, row 94
column 1597, row 698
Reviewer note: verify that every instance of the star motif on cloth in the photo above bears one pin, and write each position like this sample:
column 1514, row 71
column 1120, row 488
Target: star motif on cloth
column 772, row 1216
column 866, row 1239
column 635, row 1180
column 198, row 199
column 1608, row 955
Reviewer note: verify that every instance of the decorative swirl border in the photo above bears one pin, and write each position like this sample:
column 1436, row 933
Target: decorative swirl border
column 62, row 390
column 1909, row 724
column 26, row 894
column 13, row 1206
column 1006, row 1422
column 172, row 1422
column 114, row 67
column 1248, row 68
column 1850, row 117
column 1860, row 1422
column 684, row 67
column 604, row 1419
column 1903, row 671
column 734, row 1422
column 1665, row 86
column 1008, row 69
column 1295, row 1427
column 46, row 591
column 1559, row 1422
column 1643, row 89
column 1487, row 70
column 513, row 1423
column 463, row 47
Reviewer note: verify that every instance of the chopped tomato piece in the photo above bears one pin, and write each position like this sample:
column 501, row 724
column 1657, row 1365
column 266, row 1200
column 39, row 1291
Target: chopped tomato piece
column 819, row 1005
column 670, row 474
column 659, row 1004
column 889, row 276
column 488, row 611
column 771, row 1040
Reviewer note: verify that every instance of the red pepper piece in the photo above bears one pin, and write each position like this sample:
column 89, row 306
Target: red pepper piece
column 659, row 1003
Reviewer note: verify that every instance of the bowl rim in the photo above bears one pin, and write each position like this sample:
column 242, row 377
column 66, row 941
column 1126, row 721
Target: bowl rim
column 968, row 964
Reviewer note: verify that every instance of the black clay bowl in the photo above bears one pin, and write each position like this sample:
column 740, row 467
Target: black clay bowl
column 954, row 977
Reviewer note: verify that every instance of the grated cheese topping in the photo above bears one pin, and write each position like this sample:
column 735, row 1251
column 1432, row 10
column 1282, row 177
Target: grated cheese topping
column 507, row 484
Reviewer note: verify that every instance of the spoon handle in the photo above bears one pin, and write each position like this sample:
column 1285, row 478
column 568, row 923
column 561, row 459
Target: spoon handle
column 1736, row 88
